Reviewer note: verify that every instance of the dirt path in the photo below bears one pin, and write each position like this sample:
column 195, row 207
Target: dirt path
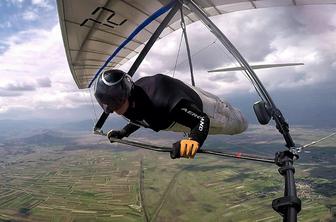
column 142, row 191
column 164, row 197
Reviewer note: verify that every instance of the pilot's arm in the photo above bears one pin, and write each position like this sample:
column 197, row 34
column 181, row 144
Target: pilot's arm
column 189, row 115
column 124, row 132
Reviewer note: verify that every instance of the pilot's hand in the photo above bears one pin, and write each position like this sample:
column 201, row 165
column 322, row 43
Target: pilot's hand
column 184, row 148
column 115, row 134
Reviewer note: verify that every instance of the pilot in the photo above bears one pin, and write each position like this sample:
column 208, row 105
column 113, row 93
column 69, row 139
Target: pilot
column 156, row 102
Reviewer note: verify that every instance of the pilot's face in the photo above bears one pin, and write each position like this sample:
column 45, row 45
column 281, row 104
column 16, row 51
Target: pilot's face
column 123, row 108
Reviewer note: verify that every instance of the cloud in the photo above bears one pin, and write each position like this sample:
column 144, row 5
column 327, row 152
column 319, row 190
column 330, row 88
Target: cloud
column 44, row 82
column 6, row 24
column 6, row 93
column 277, row 35
column 67, row 114
column 36, row 56
column 17, row 3
column 35, row 64
column 30, row 15
column 28, row 55
column 19, row 86
column 225, row 77
column 42, row 3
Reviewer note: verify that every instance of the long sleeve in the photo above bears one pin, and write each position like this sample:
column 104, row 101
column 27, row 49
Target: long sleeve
column 189, row 115
column 129, row 129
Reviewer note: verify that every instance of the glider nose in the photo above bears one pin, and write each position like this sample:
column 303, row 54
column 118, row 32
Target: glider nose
column 243, row 124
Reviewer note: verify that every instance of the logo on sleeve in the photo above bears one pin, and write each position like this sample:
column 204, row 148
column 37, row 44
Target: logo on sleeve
column 191, row 113
column 201, row 124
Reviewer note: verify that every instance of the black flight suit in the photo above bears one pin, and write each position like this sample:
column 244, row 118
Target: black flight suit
column 159, row 101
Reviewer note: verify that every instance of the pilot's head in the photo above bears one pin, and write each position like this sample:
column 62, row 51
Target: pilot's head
column 112, row 89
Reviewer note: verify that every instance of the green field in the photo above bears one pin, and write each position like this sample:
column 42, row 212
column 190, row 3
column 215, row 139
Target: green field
column 59, row 184
column 71, row 186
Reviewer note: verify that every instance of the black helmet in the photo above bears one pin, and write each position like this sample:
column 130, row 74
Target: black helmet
column 112, row 88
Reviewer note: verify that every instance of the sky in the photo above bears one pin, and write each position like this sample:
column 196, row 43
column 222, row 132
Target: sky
column 36, row 83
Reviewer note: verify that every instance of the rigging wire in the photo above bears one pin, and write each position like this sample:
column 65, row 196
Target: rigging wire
column 314, row 142
column 95, row 116
column 186, row 41
column 193, row 55
column 244, row 72
column 254, row 83
column 178, row 54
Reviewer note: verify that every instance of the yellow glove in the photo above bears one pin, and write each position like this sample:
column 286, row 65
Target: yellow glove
column 188, row 148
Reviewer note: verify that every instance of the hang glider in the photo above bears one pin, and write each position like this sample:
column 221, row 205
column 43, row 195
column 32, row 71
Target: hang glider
column 101, row 34
column 263, row 66
column 93, row 30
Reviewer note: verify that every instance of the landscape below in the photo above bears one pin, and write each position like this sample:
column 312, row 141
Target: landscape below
column 55, row 175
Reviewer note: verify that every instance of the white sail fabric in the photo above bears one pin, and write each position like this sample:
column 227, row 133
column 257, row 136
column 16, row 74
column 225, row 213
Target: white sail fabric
column 93, row 29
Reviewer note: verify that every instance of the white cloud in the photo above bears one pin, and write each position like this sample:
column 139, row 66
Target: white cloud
column 37, row 57
column 42, row 3
column 15, row 2
column 281, row 35
column 30, row 15
column 6, row 24
column 44, row 82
